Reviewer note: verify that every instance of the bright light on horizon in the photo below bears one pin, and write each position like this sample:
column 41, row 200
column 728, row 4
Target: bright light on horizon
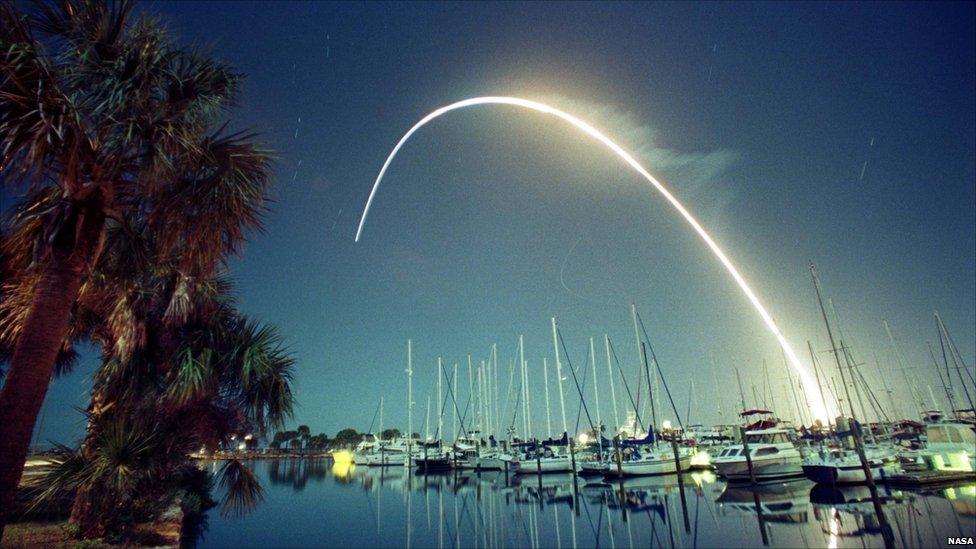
column 809, row 385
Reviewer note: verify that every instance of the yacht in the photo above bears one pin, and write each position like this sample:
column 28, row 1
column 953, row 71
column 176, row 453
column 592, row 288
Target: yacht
column 949, row 446
column 772, row 452
column 840, row 466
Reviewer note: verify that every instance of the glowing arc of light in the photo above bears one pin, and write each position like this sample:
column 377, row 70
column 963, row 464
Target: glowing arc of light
column 808, row 382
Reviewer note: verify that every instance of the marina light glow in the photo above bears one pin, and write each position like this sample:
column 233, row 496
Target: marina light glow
column 809, row 385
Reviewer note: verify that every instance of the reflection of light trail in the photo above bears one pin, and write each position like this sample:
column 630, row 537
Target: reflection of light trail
column 808, row 382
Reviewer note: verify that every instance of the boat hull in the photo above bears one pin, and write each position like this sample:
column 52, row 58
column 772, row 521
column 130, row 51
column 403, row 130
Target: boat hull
column 648, row 467
column 847, row 474
column 388, row 460
column 433, row 465
column 764, row 470
column 547, row 465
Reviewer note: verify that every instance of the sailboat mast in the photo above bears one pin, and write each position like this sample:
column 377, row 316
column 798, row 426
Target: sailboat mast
column 640, row 370
column 545, row 381
column 650, row 393
column 917, row 399
column 525, row 393
column 409, row 394
column 742, row 395
column 440, row 401
column 816, row 373
column 946, row 387
column 559, row 377
column 884, row 384
column 596, row 397
column 454, row 417
column 943, row 341
column 427, row 420
column 496, row 412
column 613, row 393
column 796, row 402
column 830, row 335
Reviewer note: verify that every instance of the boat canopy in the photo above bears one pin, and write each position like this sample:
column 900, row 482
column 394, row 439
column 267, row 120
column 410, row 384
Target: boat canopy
column 649, row 439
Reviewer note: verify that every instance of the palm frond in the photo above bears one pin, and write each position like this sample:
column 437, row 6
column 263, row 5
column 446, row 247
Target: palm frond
column 242, row 489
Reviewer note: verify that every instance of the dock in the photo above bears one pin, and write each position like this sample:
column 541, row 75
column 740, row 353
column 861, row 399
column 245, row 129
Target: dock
column 912, row 479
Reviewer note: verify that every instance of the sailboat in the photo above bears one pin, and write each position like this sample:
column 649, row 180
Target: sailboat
column 840, row 463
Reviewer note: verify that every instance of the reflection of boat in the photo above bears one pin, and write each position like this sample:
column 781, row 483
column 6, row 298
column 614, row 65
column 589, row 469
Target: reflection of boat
column 658, row 484
column 851, row 499
column 962, row 499
column 848, row 511
column 779, row 502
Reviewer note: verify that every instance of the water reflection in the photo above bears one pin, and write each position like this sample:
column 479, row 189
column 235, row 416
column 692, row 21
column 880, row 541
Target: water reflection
column 393, row 506
column 296, row 472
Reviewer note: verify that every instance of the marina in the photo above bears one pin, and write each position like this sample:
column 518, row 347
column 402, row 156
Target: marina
column 395, row 507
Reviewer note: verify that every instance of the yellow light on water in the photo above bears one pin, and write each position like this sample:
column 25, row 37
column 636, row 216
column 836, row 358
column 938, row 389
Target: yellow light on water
column 809, row 386
column 703, row 477
column 342, row 469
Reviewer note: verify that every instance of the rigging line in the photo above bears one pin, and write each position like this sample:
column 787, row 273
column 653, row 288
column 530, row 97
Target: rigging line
column 562, row 269
column 376, row 411
column 579, row 408
column 873, row 400
column 575, row 380
column 450, row 391
column 437, row 431
column 640, row 423
column 657, row 367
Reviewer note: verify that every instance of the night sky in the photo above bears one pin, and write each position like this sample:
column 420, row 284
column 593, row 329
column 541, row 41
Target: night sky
column 836, row 133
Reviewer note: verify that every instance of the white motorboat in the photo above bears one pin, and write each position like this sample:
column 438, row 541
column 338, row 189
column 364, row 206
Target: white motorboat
column 773, row 456
column 949, row 446
column 839, row 466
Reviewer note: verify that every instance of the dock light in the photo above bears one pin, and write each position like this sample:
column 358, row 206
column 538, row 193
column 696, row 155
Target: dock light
column 583, row 438
column 342, row 456
column 666, row 424
column 701, row 459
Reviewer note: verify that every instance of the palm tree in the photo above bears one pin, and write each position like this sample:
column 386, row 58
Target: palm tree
column 113, row 130
column 229, row 374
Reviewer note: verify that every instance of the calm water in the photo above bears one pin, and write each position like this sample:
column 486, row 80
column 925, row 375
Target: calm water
column 313, row 503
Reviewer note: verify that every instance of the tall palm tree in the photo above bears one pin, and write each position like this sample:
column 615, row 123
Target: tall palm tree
column 228, row 373
column 112, row 129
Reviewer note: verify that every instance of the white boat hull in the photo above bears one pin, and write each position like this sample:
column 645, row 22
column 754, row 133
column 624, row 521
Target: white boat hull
column 763, row 469
column 661, row 466
column 385, row 459
column 544, row 465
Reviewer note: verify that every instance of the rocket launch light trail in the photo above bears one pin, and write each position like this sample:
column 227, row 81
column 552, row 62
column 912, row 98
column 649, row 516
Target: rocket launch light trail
column 809, row 385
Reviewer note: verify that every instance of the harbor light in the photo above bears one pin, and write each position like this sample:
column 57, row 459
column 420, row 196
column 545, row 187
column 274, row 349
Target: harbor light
column 342, row 456
column 701, row 460
column 583, row 438
column 666, row 424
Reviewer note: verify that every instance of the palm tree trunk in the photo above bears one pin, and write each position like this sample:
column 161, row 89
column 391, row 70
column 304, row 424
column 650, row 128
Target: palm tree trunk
column 83, row 510
column 74, row 248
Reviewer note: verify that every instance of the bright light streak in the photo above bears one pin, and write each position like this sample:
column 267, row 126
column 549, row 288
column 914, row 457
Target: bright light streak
column 809, row 385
